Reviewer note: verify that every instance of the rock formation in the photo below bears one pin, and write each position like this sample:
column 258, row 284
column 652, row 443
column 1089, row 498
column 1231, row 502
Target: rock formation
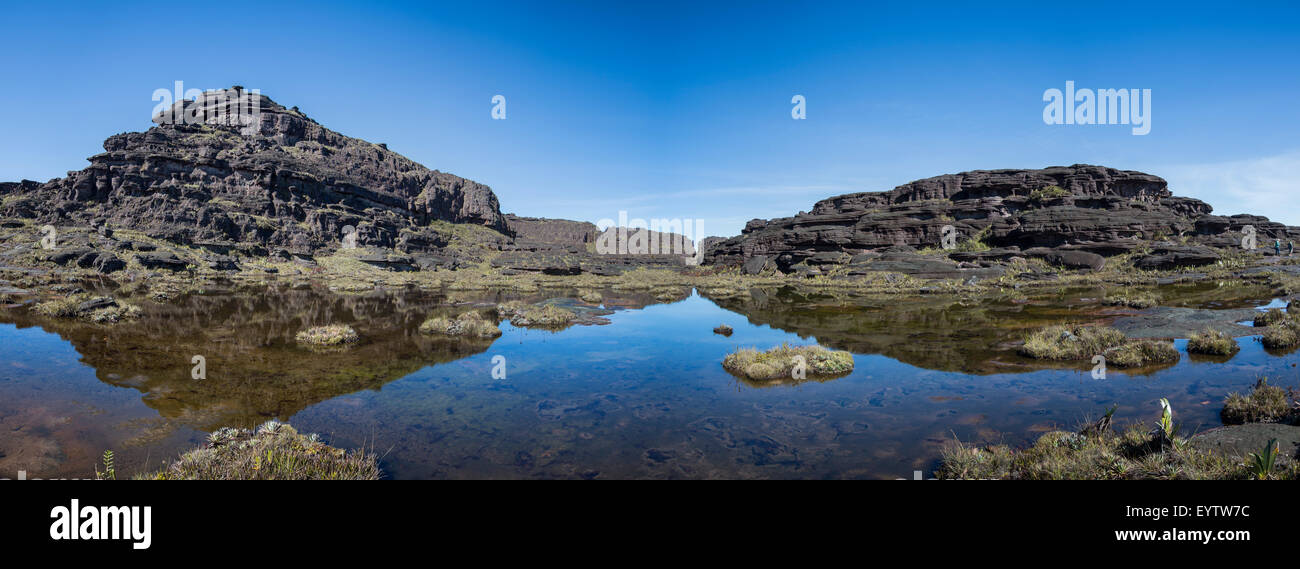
column 1071, row 216
column 294, row 184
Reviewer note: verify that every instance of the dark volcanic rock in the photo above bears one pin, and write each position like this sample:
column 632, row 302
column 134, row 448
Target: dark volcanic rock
column 294, row 184
column 1092, row 210
column 167, row 261
column 1068, row 259
column 1174, row 256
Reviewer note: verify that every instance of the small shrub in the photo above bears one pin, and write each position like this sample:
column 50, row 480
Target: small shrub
column 1048, row 193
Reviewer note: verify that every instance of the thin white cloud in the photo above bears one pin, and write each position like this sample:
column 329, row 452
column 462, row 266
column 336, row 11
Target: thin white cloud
column 1268, row 186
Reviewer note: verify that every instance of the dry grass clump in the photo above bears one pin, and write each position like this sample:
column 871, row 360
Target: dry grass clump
column 1280, row 335
column 328, row 336
column 1270, row 317
column 1133, row 299
column 66, row 307
column 1212, row 342
column 546, row 316
column 591, row 297
column 1264, row 404
column 1141, row 353
column 470, row 324
column 97, row 309
column 1066, row 343
column 780, row 362
column 274, row 451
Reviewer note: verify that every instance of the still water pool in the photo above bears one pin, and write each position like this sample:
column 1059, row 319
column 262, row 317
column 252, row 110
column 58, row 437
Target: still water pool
column 643, row 396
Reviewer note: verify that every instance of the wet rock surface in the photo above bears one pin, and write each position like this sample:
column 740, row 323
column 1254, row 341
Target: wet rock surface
column 1240, row 440
column 1175, row 322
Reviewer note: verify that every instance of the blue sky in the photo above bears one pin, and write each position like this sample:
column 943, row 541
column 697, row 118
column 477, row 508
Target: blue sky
column 682, row 109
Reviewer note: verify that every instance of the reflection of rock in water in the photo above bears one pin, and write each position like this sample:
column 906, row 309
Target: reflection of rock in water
column 254, row 369
column 975, row 335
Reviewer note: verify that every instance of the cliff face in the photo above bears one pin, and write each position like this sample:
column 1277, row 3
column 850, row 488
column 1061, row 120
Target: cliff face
column 294, row 185
column 1090, row 209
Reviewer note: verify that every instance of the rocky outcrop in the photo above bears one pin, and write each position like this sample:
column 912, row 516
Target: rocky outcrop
column 293, row 184
column 1068, row 215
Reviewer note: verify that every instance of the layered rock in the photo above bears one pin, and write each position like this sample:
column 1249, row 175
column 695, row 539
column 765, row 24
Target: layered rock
column 292, row 184
column 1059, row 213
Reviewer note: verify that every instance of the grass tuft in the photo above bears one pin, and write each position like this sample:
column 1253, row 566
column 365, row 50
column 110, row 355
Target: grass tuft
column 470, row 324
column 275, row 451
column 1212, row 342
column 1264, row 404
column 781, row 361
column 332, row 335
column 1071, row 343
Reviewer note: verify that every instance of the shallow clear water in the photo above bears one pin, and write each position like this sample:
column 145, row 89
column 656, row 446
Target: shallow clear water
column 644, row 396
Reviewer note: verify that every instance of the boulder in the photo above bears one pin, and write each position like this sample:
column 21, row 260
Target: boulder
column 161, row 260
column 1176, row 256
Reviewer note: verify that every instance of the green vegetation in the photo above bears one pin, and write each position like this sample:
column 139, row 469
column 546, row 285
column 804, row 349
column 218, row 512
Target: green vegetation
column 1280, row 335
column 1212, row 342
column 274, row 451
column 328, row 336
column 1047, row 193
column 781, row 361
column 1140, row 353
column 1271, row 317
column 1084, row 342
column 1264, row 404
column 1261, row 464
column 1133, row 299
column 1100, row 453
column 470, row 324
column 1071, row 343
column 545, row 316
column 97, row 309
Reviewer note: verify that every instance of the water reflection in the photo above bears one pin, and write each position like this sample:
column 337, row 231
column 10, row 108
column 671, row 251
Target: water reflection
column 644, row 396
